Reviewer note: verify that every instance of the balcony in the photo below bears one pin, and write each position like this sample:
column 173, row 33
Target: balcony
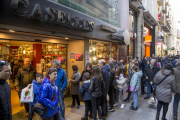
column 167, row 15
column 164, row 9
column 160, row 2
column 161, row 19
column 178, row 34
column 166, row 27
column 167, row 2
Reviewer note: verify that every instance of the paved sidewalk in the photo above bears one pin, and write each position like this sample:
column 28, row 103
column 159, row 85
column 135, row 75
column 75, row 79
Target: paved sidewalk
column 143, row 113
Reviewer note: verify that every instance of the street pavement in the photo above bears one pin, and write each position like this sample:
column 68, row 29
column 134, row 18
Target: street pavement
column 143, row 112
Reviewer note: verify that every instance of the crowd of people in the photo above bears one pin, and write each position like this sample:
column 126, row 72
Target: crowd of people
column 160, row 75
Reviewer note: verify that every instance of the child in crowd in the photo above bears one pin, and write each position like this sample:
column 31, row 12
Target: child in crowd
column 134, row 86
column 120, row 81
column 86, row 95
column 36, row 87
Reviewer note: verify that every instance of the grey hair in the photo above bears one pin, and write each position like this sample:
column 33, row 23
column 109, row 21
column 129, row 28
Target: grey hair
column 102, row 61
column 111, row 59
column 153, row 60
column 56, row 61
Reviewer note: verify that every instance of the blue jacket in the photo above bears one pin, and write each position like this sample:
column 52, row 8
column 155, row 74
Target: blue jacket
column 46, row 97
column 36, row 88
column 61, row 80
column 174, row 63
column 105, row 71
column 136, row 81
column 84, row 90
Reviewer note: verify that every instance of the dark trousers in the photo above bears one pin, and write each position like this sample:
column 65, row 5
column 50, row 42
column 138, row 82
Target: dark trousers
column 88, row 107
column 104, row 105
column 142, row 85
column 61, row 102
column 96, row 106
column 165, row 108
column 31, row 112
column 111, row 96
column 176, row 104
column 129, row 95
column 115, row 97
column 57, row 116
column 75, row 97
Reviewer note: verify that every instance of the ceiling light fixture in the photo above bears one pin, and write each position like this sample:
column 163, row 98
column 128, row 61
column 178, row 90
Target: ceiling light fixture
column 66, row 38
column 11, row 31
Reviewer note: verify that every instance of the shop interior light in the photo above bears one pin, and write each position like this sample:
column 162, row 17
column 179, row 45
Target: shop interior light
column 94, row 58
column 11, row 31
column 66, row 38
column 94, row 49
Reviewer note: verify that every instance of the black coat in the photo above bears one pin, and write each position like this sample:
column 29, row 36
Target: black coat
column 150, row 73
column 82, row 75
column 105, row 71
column 96, row 86
column 84, row 91
column 112, row 79
column 5, row 105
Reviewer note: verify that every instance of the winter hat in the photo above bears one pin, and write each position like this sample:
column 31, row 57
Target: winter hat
column 169, row 66
column 86, row 76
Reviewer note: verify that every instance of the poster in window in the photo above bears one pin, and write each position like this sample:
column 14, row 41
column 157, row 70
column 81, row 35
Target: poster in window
column 72, row 57
column 62, row 60
column 79, row 56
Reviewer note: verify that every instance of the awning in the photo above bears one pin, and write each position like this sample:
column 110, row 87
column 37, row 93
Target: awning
column 150, row 18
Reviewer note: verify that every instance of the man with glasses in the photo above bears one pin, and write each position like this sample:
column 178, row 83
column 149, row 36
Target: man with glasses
column 61, row 82
column 26, row 74
column 5, row 91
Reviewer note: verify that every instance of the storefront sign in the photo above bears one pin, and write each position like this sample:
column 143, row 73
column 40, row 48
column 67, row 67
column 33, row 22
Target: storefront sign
column 107, row 28
column 159, row 43
column 147, row 43
column 52, row 16
column 159, row 17
column 79, row 56
column 123, row 35
column 72, row 57
column 62, row 60
column 148, row 38
column 116, row 37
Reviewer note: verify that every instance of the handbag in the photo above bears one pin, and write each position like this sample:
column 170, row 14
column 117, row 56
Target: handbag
column 40, row 108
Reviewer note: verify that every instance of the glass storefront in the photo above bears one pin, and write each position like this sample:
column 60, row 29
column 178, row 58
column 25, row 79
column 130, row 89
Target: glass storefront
column 102, row 50
column 105, row 10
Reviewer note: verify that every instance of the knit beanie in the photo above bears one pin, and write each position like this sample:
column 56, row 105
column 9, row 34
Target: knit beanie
column 169, row 66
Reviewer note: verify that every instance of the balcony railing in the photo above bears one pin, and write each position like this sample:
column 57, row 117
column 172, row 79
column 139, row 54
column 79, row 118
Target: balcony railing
column 160, row 2
column 164, row 9
column 167, row 15
column 168, row 25
column 178, row 34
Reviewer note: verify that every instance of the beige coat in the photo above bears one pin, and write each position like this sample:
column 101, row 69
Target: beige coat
column 120, row 83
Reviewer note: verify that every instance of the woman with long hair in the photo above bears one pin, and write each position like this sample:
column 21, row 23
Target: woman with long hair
column 49, row 96
column 88, row 69
column 165, row 81
column 95, row 87
column 75, row 86
column 111, row 86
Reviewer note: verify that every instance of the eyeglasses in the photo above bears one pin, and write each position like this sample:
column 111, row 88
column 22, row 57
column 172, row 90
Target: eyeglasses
column 2, row 62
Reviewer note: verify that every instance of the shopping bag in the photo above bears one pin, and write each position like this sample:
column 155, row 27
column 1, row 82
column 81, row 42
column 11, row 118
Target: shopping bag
column 27, row 95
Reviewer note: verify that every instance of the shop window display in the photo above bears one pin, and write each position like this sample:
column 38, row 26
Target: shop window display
column 102, row 50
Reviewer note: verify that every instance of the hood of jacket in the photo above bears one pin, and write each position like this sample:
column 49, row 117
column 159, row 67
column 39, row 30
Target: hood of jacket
column 46, row 80
column 106, row 67
column 167, row 72
column 139, row 73
column 36, row 87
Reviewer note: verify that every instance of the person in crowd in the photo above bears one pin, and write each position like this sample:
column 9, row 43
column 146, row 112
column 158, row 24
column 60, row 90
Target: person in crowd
column 164, row 60
column 177, row 96
column 95, row 90
column 36, row 88
column 26, row 74
column 122, row 67
column 114, row 62
column 137, row 59
column 61, row 82
column 120, row 81
column 5, row 91
column 86, row 95
column 150, row 71
column 160, row 63
column 135, row 86
column 175, row 61
column 49, row 95
column 16, row 68
column 75, row 86
column 165, row 81
column 111, row 86
column 105, row 71
column 142, row 67
column 129, row 79
column 88, row 68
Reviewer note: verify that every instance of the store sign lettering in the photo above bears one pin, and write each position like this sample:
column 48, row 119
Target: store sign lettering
column 52, row 16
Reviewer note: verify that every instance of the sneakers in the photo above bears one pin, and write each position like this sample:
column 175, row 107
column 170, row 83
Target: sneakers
column 72, row 106
column 122, row 106
column 116, row 104
column 84, row 118
column 27, row 114
column 132, row 108
column 126, row 100
column 146, row 98
column 111, row 110
column 175, row 118
column 78, row 106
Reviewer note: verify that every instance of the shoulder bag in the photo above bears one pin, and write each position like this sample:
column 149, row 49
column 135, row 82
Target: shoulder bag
column 40, row 108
